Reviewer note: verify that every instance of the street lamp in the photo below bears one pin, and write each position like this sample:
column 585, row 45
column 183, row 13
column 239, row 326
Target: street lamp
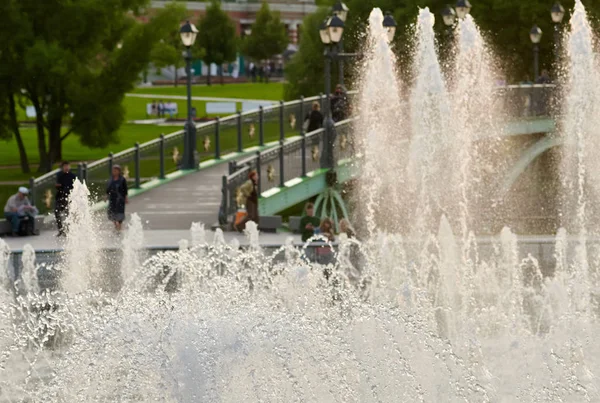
column 463, row 7
column 188, row 34
column 558, row 13
column 536, row 36
column 449, row 16
column 390, row 26
column 341, row 10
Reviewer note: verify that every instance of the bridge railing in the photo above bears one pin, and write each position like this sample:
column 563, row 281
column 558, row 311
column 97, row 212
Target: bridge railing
column 157, row 158
column 528, row 100
column 161, row 156
column 292, row 158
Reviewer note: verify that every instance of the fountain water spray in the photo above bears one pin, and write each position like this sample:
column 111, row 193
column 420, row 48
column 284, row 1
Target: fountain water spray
column 81, row 267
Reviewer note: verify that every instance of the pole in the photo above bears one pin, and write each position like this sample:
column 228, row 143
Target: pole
column 261, row 127
column 218, row 138
column 341, row 62
column 240, row 146
column 556, row 49
column 536, row 61
column 327, row 157
column 137, row 165
column 161, row 150
column 190, row 128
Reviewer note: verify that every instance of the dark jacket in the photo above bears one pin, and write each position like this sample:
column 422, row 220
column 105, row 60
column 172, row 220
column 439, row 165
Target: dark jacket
column 117, row 193
column 315, row 121
column 66, row 181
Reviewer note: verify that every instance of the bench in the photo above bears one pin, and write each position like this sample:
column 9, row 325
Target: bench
column 270, row 223
column 40, row 224
column 295, row 224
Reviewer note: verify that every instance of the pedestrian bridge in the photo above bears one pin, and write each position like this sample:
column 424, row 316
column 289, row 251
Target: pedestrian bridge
column 272, row 141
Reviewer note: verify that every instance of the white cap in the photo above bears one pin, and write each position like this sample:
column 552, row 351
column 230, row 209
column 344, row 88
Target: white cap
column 24, row 190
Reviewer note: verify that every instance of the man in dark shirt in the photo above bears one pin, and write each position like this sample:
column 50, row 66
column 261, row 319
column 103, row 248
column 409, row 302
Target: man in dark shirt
column 309, row 222
column 64, row 184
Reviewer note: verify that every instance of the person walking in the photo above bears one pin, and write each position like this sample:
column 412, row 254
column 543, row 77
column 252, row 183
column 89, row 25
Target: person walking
column 314, row 118
column 249, row 195
column 309, row 223
column 65, row 180
column 339, row 104
column 116, row 192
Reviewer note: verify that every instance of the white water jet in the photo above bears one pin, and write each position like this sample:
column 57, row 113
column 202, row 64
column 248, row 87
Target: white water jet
column 81, row 267
column 133, row 242
column 431, row 142
column 453, row 319
column 382, row 145
column 198, row 234
column 29, row 270
column 252, row 234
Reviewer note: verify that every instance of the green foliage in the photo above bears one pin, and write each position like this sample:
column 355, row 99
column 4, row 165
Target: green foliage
column 304, row 72
column 75, row 60
column 268, row 37
column 504, row 23
column 217, row 35
column 167, row 52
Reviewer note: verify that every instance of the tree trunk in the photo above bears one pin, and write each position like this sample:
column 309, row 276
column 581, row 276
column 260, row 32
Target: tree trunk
column 208, row 76
column 54, row 146
column 41, row 135
column 221, row 75
column 15, row 128
column 176, row 76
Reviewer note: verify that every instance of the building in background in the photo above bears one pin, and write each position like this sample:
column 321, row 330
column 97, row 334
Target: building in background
column 243, row 13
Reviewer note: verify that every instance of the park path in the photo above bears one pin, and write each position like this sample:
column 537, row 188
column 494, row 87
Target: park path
column 211, row 99
column 174, row 206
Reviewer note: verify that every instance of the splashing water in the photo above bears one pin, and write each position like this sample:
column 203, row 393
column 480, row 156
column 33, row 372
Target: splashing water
column 29, row 270
column 82, row 249
column 427, row 171
column 383, row 145
column 390, row 322
column 133, row 242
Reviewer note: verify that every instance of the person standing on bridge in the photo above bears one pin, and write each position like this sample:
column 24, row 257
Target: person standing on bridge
column 314, row 120
column 64, row 185
column 249, row 193
column 116, row 192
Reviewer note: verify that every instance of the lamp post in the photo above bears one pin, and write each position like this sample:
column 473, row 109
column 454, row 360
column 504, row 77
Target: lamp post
column 340, row 10
column 449, row 17
column 536, row 36
column 331, row 32
column 463, row 7
column 188, row 34
column 558, row 13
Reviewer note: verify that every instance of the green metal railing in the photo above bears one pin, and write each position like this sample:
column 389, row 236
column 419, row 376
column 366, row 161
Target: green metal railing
column 292, row 158
column 157, row 158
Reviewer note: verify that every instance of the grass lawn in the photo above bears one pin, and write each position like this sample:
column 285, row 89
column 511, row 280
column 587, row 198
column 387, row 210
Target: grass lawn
column 270, row 91
column 72, row 148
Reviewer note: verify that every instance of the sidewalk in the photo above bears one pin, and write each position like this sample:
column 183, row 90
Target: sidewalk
column 168, row 239
column 212, row 99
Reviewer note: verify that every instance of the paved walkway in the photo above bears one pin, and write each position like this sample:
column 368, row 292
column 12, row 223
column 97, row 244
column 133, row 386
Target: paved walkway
column 47, row 240
column 210, row 99
column 176, row 205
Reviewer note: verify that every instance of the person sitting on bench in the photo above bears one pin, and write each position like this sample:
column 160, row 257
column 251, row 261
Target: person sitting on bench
column 18, row 208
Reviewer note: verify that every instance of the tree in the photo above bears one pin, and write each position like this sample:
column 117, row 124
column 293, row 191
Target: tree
column 217, row 37
column 76, row 76
column 504, row 23
column 304, row 72
column 268, row 37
